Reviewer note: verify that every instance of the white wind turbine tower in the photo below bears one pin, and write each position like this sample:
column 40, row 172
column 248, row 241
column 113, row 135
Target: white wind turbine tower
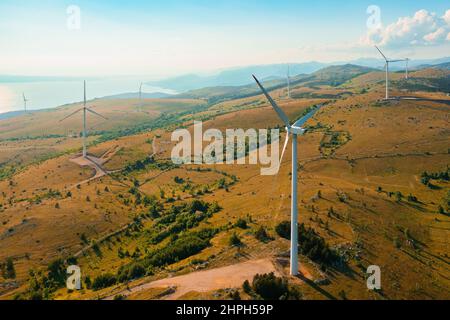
column 406, row 70
column 387, row 70
column 25, row 100
column 294, row 130
column 84, row 109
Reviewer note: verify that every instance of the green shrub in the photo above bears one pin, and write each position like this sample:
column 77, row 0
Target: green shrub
column 246, row 287
column 241, row 223
column 261, row 234
column 131, row 271
column 103, row 281
column 270, row 287
column 314, row 246
column 283, row 229
column 235, row 240
column 8, row 270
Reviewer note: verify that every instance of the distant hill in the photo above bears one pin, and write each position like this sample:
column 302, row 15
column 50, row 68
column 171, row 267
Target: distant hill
column 11, row 114
column 335, row 75
column 433, row 79
column 242, row 75
column 135, row 95
column 332, row 75
column 412, row 64
column 235, row 76
column 445, row 66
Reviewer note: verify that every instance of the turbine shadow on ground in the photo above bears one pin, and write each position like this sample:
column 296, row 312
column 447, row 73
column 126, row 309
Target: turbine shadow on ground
column 316, row 287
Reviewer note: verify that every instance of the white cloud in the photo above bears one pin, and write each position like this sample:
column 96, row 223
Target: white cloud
column 432, row 37
column 446, row 17
column 422, row 29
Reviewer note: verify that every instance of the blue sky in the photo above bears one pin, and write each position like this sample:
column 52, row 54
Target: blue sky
column 170, row 37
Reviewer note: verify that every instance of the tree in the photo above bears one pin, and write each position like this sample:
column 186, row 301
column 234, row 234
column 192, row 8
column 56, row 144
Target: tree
column 103, row 281
column 425, row 180
column 10, row 272
column 235, row 240
column 342, row 295
column 261, row 234
column 331, row 212
column 283, row 229
column 447, row 200
column 235, row 295
column 246, row 287
column 241, row 223
column 88, row 282
column 270, row 287
column 178, row 180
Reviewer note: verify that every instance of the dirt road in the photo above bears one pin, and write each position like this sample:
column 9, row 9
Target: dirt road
column 203, row 281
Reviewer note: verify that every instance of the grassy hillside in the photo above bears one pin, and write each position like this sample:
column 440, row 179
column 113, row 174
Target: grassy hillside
column 373, row 189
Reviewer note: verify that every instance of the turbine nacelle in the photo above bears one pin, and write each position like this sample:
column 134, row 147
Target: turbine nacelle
column 296, row 130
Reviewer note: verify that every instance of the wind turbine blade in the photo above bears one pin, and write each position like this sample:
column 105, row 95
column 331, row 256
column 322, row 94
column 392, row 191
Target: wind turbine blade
column 24, row 99
column 305, row 118
column 97, row 114
column 398, row 60
column 285, row 146
column 381, row 53
column 70, row 115
column 278, row 110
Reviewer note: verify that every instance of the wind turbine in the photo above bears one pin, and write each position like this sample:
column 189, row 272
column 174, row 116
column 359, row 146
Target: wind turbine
column 294, row 130
column 140, row 97
column 406, row 70
column 288, row 83
column 387, row 70
column 85, row 110
column 25, row 100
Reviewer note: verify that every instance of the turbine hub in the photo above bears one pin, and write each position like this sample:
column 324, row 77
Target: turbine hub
column 296, row 130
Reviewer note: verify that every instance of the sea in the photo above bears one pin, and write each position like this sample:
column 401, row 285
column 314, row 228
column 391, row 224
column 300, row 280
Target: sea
column 46, row 94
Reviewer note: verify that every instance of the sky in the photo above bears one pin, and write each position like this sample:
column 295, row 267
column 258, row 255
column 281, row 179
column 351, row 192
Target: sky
column 165, row 38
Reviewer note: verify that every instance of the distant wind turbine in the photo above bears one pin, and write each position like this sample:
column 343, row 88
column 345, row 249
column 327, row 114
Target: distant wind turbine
column 387, row 70
column 84, row 109
column 406, row 70
column 294, row 130
column 25, row 100
column 140, row 97
column 288, row 83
